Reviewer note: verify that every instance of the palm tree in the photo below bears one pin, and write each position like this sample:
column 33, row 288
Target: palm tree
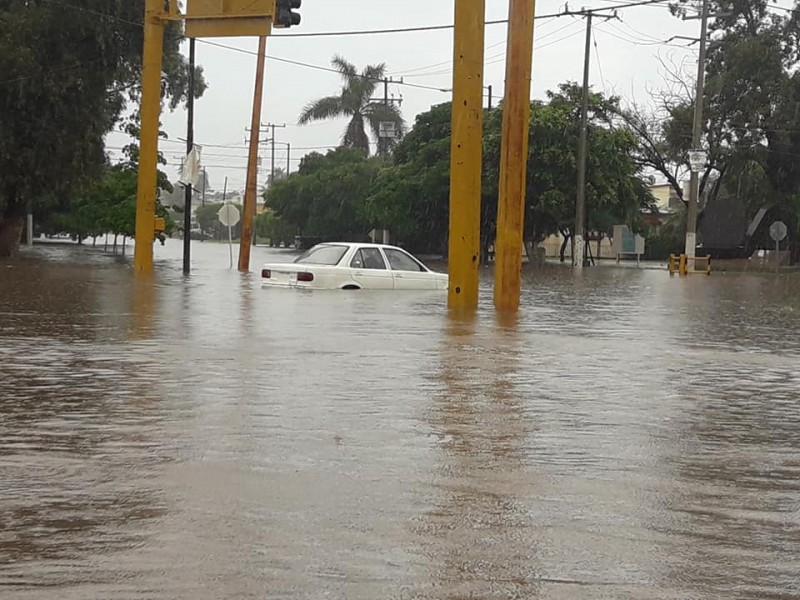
column 356, row 101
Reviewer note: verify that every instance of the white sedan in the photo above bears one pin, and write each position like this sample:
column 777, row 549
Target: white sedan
column 346, row 266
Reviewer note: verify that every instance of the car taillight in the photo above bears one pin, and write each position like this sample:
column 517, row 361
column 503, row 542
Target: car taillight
column 305, row 277
column 266, row 273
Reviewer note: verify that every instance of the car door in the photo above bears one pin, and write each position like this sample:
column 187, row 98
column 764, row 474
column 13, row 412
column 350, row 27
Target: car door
column 368, row 269
column 408, row 272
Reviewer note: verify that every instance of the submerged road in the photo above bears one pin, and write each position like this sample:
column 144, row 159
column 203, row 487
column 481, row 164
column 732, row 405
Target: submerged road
column 630, row 436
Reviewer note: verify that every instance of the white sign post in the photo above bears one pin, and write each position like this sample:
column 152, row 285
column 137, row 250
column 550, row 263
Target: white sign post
column 229, row 216
column 778, row 232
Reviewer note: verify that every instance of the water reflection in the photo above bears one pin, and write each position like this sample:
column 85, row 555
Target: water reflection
column 70, row 438
column 143, row 307
column 479, row 538
column 740, row 473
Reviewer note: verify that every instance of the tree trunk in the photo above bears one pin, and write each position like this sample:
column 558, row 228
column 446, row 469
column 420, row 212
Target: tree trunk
column 563, row 250
column 11, row 227
column 115, row 242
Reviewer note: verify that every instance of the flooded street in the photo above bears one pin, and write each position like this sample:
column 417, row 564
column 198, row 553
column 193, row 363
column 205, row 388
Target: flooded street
column 630, row 436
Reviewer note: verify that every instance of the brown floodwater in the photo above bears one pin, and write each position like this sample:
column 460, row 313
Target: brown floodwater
column 629, row 436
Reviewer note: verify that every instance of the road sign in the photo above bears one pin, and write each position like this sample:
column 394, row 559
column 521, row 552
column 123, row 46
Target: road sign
column 697, row 160
column 778, row 231
column 224, row 18
column 387, row 129
column 228, row 215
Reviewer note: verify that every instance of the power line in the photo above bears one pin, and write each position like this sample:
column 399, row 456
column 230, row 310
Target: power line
column 640, row 43
column 599, row 65
column 95, row 12
column 52, row 71
column 317, row 67
column 354, row 32
column 423, row 28
column 445, row 27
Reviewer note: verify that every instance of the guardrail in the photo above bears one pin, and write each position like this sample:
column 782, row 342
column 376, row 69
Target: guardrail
column 680, row 264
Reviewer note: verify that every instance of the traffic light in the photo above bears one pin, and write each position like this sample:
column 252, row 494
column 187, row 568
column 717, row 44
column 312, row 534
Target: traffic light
column 284, row 13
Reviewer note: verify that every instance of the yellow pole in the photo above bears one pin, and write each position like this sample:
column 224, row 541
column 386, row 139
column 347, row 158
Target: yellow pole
column 249, row 208
column 466, row 153
column 150, row 109
column 514, row 155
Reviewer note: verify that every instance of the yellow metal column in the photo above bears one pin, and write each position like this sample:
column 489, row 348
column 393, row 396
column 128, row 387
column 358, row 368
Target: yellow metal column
column 514, row 155
column 249, row 208
column 466, row 151
column 150, row 109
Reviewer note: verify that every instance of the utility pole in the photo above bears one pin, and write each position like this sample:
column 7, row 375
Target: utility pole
column 514, row 156
column 288, row 158
column 187, row 208
column 489, row 87
column 697, row 132
column 272, row 127
column 578, row 246
column 248, row 210
column 466, row 151
column 383, row 143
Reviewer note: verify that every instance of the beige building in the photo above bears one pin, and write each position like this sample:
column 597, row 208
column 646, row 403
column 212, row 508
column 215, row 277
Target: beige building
column 667, row 199
column 667, row 202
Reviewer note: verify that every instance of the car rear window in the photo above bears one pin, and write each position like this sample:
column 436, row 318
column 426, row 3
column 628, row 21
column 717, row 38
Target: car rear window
column 322, row 255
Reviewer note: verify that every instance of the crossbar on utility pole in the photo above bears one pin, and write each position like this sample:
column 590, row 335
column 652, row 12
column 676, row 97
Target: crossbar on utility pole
column 697, row 132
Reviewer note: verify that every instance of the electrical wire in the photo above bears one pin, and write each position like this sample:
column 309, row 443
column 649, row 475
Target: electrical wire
column 352, row 32
column 599, row 65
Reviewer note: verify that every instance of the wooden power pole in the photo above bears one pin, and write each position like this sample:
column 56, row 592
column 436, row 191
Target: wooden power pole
column 514, row 156
column 248, row 210
column 466, row 154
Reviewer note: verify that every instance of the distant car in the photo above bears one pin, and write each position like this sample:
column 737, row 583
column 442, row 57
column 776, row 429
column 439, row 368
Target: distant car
column 348, row 266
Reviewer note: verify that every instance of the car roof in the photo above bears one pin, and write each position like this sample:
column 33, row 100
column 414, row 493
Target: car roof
column 360, row 245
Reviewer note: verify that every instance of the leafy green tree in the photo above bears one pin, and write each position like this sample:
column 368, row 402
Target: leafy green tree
column 411, row 197
column 356, row 102
column 107, row 206
column 325, row 197
column 70, row 70
column 751, row 115
column 271, row 227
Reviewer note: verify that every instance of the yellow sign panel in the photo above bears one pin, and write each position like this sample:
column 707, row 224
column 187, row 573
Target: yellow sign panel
column 228, row 18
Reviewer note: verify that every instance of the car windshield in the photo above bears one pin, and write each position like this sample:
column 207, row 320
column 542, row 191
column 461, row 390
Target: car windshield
column 322, row 255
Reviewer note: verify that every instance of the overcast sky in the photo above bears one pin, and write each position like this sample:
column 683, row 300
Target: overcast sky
column 624, row 61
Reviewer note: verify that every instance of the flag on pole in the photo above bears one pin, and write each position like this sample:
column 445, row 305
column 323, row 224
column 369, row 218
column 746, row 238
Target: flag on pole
column 190, row 173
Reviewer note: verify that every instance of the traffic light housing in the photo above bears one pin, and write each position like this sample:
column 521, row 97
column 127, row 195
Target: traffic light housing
column 284, row 13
